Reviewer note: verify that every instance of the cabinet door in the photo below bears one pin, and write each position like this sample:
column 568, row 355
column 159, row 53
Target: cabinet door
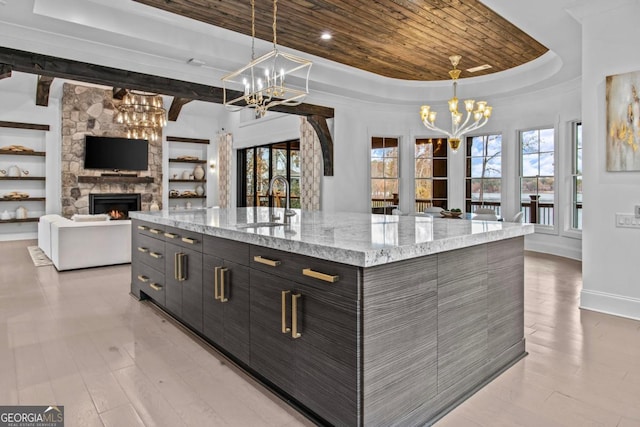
column 183, row 295
column 212, row 308
column 326, row 362
column 272, row 352
column 236, row 310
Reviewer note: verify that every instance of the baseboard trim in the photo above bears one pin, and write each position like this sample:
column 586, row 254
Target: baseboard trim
column 616, row 305
column 551, row 249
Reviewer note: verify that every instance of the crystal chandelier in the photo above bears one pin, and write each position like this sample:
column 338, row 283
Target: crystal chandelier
column 261, row 84
column 480, row 115
column 142, row 114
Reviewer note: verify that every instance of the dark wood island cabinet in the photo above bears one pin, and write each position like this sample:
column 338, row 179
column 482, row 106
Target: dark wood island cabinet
column 385, row 343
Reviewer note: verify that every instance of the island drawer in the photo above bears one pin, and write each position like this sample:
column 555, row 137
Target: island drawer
column 149, row 281
column 184, row 238
column 320, row 274
column 149, row 251
column 149, row 229
column 230, row 250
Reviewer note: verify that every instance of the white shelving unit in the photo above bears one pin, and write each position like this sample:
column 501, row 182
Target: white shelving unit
column 178, row 168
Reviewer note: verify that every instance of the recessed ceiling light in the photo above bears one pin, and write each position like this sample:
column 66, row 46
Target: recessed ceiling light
column 478, row 68
column 326, row 36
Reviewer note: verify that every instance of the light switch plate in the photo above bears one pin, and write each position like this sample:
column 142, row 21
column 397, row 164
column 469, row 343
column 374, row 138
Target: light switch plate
column 627, row 221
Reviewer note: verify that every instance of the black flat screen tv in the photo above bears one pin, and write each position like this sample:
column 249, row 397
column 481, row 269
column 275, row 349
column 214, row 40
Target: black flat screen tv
column 101, row 152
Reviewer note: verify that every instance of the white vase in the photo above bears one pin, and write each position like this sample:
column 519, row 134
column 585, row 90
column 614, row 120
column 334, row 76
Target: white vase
column 185, row 174
column 198, row 172
column 154, row 206
column 199, row 190
column 21, row 212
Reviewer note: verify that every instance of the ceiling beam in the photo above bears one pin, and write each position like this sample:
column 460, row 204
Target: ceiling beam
column 319, row 124
column 45, row 65
column 176, row 107
column 42, row 90
column 5, row 71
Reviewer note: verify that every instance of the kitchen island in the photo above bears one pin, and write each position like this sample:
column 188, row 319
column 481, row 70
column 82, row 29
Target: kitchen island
column 356, row 319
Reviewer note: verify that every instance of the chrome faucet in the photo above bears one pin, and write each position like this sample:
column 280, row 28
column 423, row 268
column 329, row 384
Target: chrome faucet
column 287, row 210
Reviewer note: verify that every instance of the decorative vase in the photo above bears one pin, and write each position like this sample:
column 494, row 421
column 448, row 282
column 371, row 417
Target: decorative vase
column 199, row 190
column 185, row 174
column 154, row 206
column 21, row 212
column 198, row 172
column 5, row 215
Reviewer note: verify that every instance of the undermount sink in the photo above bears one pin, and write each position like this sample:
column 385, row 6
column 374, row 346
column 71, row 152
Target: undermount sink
column 259, row 224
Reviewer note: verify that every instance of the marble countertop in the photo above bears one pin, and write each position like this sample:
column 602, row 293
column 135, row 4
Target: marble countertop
column 353, row 238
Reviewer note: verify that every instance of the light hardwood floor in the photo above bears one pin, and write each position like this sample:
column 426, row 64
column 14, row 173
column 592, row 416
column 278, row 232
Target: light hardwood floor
column 78, row 339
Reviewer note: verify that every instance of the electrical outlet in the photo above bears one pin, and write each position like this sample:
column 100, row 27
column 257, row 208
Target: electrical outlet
column 636, row 210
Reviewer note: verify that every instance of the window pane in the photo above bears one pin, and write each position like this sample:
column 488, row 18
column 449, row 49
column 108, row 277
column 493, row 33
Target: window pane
column 391, row 188
column 492, row 189
column 529, row 141
column 423, row 149
column 377, row 168
column 529, row 186
column 546, row 164
column 476, row 185
column 377, row 189
column 476, row 167
column 493, row 167
column 494, row 145
column 477, row 146
column 546, row 189
column 546, row 140
column 424, row 189
column 424, row 168
column 530, row 165
column 390, row 168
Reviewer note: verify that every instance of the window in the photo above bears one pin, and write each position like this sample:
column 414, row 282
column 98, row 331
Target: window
column 384, row 174
column 537, row 183
column 431, row 173
column 576, row 217
column 259, row 164
column 484, row 172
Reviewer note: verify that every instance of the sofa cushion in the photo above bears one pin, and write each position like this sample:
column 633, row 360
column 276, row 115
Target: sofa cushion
column 89, row 218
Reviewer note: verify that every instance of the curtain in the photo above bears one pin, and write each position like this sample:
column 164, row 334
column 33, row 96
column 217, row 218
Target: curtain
column 310, row 167
column 225, row 157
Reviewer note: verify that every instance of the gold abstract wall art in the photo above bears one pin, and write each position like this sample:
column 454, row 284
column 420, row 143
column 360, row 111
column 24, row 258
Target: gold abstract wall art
column 623, row 122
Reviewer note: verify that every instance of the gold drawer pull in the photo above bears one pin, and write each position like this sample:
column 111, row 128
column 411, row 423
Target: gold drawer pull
column 222, row 274
column 170, row 235
column 142, row 227
column 143, row 279
column 266, row 261
column 155, row 255
column 189, row 240
column 320, row 276
column 216, row 283
column 285, row 328
column 180, row 264
column 294, row 316
column 155, row 286
column 155, row 231
column 143, row 250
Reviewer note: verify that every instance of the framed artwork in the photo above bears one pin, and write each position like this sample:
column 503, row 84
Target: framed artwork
column 623, row 122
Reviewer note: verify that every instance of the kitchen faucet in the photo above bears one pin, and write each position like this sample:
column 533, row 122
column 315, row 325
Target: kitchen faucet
column 287, row 210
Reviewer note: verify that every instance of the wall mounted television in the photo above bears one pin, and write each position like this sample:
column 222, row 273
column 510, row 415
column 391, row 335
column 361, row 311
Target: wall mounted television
column 102, row 152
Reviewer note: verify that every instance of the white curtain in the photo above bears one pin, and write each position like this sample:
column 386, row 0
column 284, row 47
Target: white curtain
column 225, row 155
column 310, row 167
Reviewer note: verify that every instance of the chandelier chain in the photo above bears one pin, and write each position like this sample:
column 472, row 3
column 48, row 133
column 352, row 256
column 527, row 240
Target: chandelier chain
column 275, row 14
column 253, row 30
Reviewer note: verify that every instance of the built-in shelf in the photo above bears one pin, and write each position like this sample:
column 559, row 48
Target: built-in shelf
column 7, row 221
column 188, row 140
column 188, row 197
column 23, row 153
column 28, row 199
column 187, row 180
column 85, row 179
column 22, row 178
column 187, row 161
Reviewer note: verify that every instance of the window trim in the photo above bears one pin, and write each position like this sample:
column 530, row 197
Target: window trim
column 446, row 178
column 399, row 164
column 502, row 177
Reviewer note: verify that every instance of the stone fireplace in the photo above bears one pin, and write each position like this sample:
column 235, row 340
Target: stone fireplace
column 90, row 111
column 117, row 206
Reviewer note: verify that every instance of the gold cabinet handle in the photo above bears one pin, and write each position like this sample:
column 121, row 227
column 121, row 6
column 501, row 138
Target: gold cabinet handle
column 176, row 268
column 216, row 283
column 294, row 316
column 180, row 262
column 285, row 328
column 223, row 272
column 320, row 276
column 142, row 227
column 155, row 255
column 154, row 231
column 143, row 279
column 143, row 250
column 155, row 286
column 189, row 240
column 266, row 261
column 170, row 235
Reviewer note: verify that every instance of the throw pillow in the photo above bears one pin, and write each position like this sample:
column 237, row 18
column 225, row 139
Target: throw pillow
column 89, row 218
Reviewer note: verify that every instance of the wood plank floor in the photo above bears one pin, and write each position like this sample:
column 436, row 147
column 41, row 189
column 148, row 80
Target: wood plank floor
column 78, row 339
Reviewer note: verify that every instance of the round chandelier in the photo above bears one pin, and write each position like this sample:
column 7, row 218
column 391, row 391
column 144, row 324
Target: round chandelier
column 142, row 115
column 480, row 112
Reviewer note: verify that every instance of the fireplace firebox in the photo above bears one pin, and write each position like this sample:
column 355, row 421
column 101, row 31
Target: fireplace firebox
column 117, row 206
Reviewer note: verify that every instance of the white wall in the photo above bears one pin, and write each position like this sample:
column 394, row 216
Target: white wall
column 611, row 272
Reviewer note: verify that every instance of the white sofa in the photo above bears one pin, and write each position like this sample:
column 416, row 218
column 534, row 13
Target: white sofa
column 72, row 245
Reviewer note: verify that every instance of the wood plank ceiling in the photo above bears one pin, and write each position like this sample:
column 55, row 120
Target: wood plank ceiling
column 402, row 39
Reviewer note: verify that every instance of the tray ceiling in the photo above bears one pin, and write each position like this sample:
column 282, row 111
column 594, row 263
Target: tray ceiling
column 401, row 39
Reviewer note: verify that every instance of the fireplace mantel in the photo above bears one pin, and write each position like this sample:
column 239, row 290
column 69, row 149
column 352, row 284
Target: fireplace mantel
column 89, row 179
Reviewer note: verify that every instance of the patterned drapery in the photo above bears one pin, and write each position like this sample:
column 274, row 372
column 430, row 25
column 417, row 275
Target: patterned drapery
column 225, row 155
column 310, row 168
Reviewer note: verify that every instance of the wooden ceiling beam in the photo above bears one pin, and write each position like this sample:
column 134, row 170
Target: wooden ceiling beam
column 176, row 107
column 42, row 90
column 5, row 71
column 45, row 65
